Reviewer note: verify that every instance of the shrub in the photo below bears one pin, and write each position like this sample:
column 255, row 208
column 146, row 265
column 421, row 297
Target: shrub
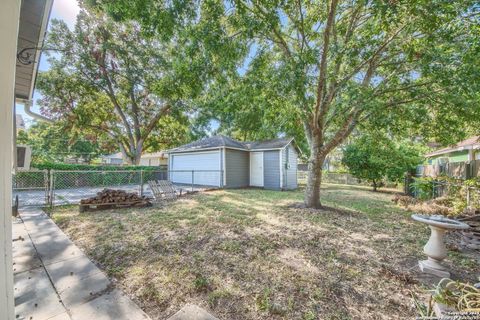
column 422, row 188
column 456, row 195
column 377, row 158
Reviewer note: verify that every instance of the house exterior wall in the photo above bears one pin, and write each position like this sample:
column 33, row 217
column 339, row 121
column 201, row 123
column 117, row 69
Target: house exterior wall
column 271, row 169
column 237, row 168
column 458, row 156
column 115, row 161
column 289, row 162
column 153, row 161
column 9, row 21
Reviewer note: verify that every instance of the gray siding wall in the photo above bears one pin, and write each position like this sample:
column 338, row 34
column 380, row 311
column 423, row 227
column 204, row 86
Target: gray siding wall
column 290, row 156
column 271, row 169
column 237, row 167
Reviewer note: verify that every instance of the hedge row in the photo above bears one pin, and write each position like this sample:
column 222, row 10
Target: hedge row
column 67, row 166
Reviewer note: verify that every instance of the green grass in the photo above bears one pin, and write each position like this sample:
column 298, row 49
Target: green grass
column 256, row 254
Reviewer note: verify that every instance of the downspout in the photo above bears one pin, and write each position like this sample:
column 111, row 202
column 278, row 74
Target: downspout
column 27, row 107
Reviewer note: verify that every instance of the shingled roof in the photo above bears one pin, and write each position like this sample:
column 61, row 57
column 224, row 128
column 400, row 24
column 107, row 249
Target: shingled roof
column 470, row 143
column 268, row 144
column 227, row 142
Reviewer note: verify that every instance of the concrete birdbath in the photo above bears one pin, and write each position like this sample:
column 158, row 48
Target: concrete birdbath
column 435, row 247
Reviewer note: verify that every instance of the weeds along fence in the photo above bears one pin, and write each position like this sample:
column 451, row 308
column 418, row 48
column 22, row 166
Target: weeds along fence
column 464, row 194
column 58, row 187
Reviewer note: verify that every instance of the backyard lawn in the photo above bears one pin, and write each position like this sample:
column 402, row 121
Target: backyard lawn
column 256, row 254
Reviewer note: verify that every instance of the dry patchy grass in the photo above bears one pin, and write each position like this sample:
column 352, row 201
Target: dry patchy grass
column 256, row 254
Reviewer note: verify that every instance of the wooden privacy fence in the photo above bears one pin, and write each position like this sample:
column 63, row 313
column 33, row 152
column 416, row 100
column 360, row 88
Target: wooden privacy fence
column 458, row 170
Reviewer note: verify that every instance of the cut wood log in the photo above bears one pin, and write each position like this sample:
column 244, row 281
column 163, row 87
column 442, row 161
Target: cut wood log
column 471, row 237
column 109, row 198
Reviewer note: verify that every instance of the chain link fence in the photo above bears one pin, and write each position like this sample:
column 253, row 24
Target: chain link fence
column 57, row 187
column 31, row 187
column 331, row 177
column 342, row 178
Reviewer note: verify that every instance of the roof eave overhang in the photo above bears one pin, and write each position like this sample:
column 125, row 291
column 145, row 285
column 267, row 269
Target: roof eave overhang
column 30, row 27
column 463, row 148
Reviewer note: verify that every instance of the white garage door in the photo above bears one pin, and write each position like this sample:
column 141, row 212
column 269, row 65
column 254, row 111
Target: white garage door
column 205, row 166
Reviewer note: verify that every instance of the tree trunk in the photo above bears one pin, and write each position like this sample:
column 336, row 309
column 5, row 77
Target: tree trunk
column 138, row 152
column 132, row 159
column 374, row 185
column 312, row 193
column 137, row 156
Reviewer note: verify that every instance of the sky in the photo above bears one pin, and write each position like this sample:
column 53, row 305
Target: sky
column 67, row 11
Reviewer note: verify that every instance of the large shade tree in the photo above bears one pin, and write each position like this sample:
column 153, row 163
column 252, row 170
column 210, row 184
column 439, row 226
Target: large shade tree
column 345, row 63
column 114, row 78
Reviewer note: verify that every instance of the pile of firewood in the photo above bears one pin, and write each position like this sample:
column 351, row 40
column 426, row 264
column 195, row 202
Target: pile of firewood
column 471, row 237
column 109, row 198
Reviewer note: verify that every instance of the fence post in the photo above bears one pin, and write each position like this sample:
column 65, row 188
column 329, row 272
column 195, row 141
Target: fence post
column 46, row 185
column 52, row 188
column 193, row 174
column 468, row 197
column 141, row 183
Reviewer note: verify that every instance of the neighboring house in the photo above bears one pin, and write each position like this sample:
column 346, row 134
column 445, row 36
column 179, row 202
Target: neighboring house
column 224, row 162
column 463, row 151
column 75, row 160
column 154, row 159
column 113, row 159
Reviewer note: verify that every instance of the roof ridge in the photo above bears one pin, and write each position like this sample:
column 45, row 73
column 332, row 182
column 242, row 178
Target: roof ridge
column 224, row 141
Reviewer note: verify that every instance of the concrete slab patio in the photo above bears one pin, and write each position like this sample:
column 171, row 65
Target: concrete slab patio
column 54, row 280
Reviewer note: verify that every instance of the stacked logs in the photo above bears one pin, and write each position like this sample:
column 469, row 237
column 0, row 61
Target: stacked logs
column 471, row 237
column 109, row 198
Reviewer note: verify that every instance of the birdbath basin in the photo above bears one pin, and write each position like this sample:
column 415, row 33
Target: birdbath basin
column 435, row 248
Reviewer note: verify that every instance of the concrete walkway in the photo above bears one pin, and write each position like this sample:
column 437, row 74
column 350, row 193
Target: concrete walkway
column 54, row 280
column 192, row 312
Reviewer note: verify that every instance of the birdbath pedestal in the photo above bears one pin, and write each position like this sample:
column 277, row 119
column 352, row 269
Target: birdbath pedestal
column 435, row 248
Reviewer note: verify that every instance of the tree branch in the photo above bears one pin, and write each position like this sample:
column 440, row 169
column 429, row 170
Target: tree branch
column 322, row 78
column 153, row 122
column 135, row 110
column 373, row 56
column 344, row 131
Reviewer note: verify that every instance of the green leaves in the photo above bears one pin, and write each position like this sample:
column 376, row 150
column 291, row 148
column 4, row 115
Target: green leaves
column 58, row 142
column 122, row 76
column 375, row 157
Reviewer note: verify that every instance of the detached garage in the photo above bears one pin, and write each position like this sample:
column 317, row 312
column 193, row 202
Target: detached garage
column 221, row 161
